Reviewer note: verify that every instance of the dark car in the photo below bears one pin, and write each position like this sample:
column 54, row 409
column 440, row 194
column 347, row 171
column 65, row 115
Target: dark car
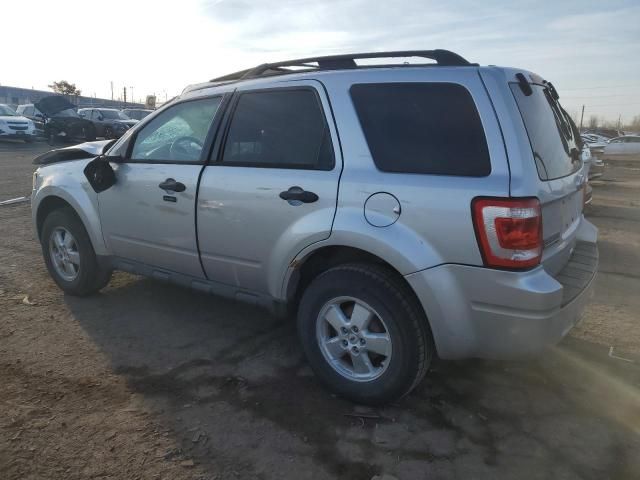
column 62, row 122
column 136, row 113
column 108, row 122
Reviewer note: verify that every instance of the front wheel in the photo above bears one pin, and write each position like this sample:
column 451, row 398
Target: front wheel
column 69, row 255
column 364, row 333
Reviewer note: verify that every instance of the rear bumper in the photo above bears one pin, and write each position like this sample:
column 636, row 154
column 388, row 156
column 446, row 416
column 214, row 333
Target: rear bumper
column 486, row 313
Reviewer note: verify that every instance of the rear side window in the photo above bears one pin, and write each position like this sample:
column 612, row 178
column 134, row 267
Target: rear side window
column 555, row 148
column 279, row 129
column 428, row 128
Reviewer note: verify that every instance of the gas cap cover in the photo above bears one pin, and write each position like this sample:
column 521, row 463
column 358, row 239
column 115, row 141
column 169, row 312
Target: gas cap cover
column 382, row 209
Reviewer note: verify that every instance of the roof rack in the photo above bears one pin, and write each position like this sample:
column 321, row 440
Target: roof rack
column 342, row 62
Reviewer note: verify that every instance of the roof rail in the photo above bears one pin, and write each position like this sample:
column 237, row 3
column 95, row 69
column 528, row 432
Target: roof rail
column 341, row 62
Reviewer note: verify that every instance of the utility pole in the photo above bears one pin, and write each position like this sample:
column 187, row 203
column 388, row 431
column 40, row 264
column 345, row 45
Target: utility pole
column 111, row 90
column 581, row 118
column 124, row 90
column 132, row 99
column 619, row 119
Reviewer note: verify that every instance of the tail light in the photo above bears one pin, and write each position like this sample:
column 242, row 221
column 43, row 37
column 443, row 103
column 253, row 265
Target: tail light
column 509, row 231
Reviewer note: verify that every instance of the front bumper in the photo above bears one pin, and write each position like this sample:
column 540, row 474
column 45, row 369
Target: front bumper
column 477, row 312
column 21, row 134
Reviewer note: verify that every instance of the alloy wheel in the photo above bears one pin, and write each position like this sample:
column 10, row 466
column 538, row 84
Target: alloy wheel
column 353, row 339
column 65, row 257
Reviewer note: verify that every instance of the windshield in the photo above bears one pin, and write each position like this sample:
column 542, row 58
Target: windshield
column 69, row 112
column 555, row 148
column 6, row 111
column 114, row 115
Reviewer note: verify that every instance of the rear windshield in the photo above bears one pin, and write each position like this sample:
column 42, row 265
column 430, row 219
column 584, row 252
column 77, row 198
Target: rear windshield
column 429, row 128
column 555, row 148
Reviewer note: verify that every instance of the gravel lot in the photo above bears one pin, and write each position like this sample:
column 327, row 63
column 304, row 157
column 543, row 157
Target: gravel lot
column 151, row 381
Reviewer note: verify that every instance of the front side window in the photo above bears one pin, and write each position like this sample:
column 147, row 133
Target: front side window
column 279, row 129
column 427, row 128
column 177, row 134
column 113, row 115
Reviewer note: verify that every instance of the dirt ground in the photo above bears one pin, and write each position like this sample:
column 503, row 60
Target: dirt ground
column 151, row 381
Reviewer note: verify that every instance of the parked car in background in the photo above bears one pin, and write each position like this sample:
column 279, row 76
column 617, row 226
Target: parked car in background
column 596, row 142
column 15, row 126
column 626, row 146
column 136, row 113
column 61, row 121
column 108, row 122
column 593, row 164
column 383, row 205
column 32, row 113
column 607, row 133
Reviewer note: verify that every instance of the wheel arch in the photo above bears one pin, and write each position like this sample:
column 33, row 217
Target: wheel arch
column 305, row 269
column 52, row 198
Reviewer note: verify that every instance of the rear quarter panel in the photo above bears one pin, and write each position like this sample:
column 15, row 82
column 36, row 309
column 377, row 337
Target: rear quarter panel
column 435, row 224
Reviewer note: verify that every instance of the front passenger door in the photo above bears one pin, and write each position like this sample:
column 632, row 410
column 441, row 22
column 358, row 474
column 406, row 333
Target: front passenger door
column 148, row 216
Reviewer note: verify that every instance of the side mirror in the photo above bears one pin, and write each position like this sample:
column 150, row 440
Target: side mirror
column 100, row 174
column 100, row 118
column 39, row 115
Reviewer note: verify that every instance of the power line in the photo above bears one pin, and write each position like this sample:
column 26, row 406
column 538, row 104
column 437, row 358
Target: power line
column 597, row 96
column 599, row 87
column 611, row 104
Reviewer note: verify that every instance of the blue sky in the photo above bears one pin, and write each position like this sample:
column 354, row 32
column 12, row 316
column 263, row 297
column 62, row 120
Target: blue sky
column 589, row 49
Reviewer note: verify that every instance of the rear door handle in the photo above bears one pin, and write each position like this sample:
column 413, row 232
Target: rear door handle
column 297, row 195
column 171, row 185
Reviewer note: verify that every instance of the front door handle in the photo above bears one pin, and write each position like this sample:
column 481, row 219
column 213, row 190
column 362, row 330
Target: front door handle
column 171, row 185
column 297, row 195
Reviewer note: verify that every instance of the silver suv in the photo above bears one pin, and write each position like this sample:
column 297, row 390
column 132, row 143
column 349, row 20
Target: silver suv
column 399, row 210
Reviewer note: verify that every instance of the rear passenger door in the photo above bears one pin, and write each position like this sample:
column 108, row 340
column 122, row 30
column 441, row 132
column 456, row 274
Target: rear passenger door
column 271, row 188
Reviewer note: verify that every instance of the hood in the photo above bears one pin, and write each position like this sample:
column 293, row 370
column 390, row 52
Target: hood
column 75, row 152
column 53, row 104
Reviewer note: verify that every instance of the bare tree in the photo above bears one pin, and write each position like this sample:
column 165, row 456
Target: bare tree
column 593, row 121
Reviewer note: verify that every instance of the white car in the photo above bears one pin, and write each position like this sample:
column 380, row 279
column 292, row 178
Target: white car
column 13, row 125
column 623, row 146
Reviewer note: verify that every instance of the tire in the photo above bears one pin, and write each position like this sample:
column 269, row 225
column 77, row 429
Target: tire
column 395, row 313
column 108, row 133
column 90, row 277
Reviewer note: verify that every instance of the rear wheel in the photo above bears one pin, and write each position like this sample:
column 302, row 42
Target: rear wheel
column 108, row 133
column 364, row 334
column 69, row 255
